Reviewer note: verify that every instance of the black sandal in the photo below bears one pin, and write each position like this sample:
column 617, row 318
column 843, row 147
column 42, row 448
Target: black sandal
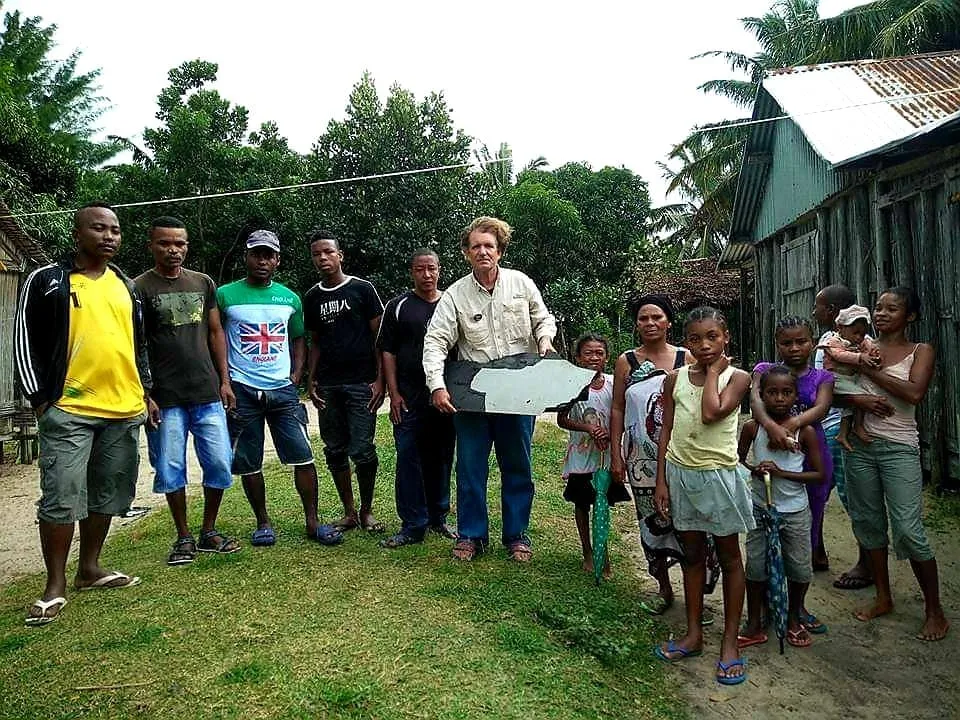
column 183, row 552
column 208, row 543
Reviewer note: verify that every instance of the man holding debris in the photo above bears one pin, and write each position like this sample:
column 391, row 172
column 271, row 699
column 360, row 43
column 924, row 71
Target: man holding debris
column 491, row 313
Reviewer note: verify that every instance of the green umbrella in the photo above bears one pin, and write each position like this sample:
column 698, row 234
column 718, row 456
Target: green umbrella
column 601, row 521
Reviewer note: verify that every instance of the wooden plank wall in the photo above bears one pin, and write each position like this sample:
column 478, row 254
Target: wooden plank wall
column 900, row 226
column 9, row 282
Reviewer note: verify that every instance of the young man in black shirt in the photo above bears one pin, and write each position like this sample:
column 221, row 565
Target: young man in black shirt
column 342, row 314
column 423, row 435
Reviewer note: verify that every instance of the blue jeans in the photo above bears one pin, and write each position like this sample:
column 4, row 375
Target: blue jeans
column 168, row 446
column 424, row 438
column 510, row 436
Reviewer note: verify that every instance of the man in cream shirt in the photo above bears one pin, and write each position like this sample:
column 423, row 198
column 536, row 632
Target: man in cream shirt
column 489, row 314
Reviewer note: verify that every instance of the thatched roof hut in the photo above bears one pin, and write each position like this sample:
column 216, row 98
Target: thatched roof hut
column 690, row 283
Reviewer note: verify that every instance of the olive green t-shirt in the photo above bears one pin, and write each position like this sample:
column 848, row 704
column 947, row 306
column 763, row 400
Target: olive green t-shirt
column 177, row 322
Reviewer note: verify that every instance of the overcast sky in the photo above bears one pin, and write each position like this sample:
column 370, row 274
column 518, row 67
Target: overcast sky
column 609, row 83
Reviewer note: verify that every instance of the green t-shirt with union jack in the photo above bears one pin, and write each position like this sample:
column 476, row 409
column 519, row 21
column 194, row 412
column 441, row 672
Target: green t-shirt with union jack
column 260, row 323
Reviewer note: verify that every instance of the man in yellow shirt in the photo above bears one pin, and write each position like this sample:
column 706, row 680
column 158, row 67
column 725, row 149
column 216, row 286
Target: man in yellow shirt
column 81, row 361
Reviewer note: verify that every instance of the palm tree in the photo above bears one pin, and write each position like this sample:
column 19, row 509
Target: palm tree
column 791, row 33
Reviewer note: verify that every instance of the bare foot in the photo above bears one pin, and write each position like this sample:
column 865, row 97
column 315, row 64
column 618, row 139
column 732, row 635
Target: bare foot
column 369, row 523
column 874, row 611
column 862, row 434
column 587, row 565
column 607, row 573
column 347, row 522
column 844, row 442
column 934, row 628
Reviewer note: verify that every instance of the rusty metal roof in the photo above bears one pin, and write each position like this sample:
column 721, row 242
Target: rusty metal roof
column 851, row 110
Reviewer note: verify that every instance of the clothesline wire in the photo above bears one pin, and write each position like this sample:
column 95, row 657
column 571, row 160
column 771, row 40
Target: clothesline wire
column 715, row 127
column 274, row 188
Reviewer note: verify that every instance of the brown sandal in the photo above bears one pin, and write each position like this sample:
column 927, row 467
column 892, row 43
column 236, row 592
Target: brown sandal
column 520, row 551
column 465, row 550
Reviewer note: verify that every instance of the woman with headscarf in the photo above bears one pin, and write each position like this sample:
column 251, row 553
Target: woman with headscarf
column 636, row 416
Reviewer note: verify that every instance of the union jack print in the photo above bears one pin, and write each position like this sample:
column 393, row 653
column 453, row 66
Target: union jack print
column 262, row 338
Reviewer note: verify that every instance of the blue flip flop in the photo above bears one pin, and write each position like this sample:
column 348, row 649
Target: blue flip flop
column 672, row 649
column 813, row 625
column 723, row 668
column 263, row 537
column 327, row 535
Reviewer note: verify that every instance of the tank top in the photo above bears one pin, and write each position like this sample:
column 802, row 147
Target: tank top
column 693, row 444
column 901, row 427
column 788, row 495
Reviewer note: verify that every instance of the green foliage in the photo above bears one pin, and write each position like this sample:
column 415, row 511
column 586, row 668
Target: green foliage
column 381, row 222
column 593, row 223
column 47, row 116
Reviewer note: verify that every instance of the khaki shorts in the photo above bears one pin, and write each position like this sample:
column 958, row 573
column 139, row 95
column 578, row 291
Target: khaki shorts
column 87, row 465
column 794, row 543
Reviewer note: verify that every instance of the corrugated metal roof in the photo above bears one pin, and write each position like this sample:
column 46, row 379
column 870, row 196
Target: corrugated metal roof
column 854, row 109
column 734, row 254
column 25, row 244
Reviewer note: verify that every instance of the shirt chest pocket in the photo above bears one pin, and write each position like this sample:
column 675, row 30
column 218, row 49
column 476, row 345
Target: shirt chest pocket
column 516, row 320
column 475, row 328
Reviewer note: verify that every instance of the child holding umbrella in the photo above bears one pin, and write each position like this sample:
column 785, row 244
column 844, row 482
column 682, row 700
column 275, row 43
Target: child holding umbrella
column 778, row 392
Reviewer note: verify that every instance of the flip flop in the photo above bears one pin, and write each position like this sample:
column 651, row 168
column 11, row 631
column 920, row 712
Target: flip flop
column 326, row 535
column 745, row 641
column 672, row 649
column 656, row 607
column 44, row 606
column 852, row 582
column 344, row 524
column 104, row 583
column 796, row 639
column 263, row 537
column 813, row 625
column 723, row 668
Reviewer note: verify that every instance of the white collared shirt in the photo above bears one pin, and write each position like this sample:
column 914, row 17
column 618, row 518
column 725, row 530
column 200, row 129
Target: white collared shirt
column 486, row 325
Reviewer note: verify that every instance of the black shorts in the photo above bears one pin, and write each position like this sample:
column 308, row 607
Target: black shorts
column 580, row 492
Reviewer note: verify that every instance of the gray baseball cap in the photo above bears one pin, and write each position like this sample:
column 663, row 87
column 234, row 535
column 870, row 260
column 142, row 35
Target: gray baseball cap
column 263, row 238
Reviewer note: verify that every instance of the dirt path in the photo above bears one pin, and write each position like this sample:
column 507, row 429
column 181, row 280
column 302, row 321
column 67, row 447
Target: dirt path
column 857, row 670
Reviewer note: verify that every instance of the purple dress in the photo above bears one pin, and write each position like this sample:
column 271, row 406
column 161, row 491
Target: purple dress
column 808, row 385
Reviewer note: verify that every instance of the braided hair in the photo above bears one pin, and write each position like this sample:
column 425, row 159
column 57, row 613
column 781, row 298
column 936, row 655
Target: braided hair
column 776, row 371
column 705, row 312
column 791, row 322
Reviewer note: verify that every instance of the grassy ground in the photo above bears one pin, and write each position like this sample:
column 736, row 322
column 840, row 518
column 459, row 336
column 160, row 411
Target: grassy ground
column 301, row 631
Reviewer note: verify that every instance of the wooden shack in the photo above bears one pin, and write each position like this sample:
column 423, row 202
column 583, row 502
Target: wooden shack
column 851, row 175
column 19, row 254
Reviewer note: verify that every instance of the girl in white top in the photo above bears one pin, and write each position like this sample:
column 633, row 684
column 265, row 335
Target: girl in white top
column 588, row 448
column 778, row 392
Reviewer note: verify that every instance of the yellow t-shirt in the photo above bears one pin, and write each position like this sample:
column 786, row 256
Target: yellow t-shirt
column 102, row 378
column 692, row 443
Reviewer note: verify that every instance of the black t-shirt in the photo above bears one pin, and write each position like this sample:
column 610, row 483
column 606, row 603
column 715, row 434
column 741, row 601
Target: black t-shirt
column 176, row 313
column 402, row 330
column 339, row 318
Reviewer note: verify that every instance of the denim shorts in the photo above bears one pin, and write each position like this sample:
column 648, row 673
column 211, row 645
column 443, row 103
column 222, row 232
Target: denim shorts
column 794, row 543
column 87, row 464
column 211, row 440
column 287, row 418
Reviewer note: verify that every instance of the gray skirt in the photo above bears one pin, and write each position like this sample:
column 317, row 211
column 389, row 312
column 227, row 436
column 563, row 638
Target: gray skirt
column 715, row 501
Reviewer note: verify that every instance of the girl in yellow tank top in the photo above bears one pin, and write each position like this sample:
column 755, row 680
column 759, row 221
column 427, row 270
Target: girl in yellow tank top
column 702, row 487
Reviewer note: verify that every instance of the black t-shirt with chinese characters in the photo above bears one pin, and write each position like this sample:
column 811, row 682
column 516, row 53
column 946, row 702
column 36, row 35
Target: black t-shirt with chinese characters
column 176, row 314
column 402, row 330
column 339, row 319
